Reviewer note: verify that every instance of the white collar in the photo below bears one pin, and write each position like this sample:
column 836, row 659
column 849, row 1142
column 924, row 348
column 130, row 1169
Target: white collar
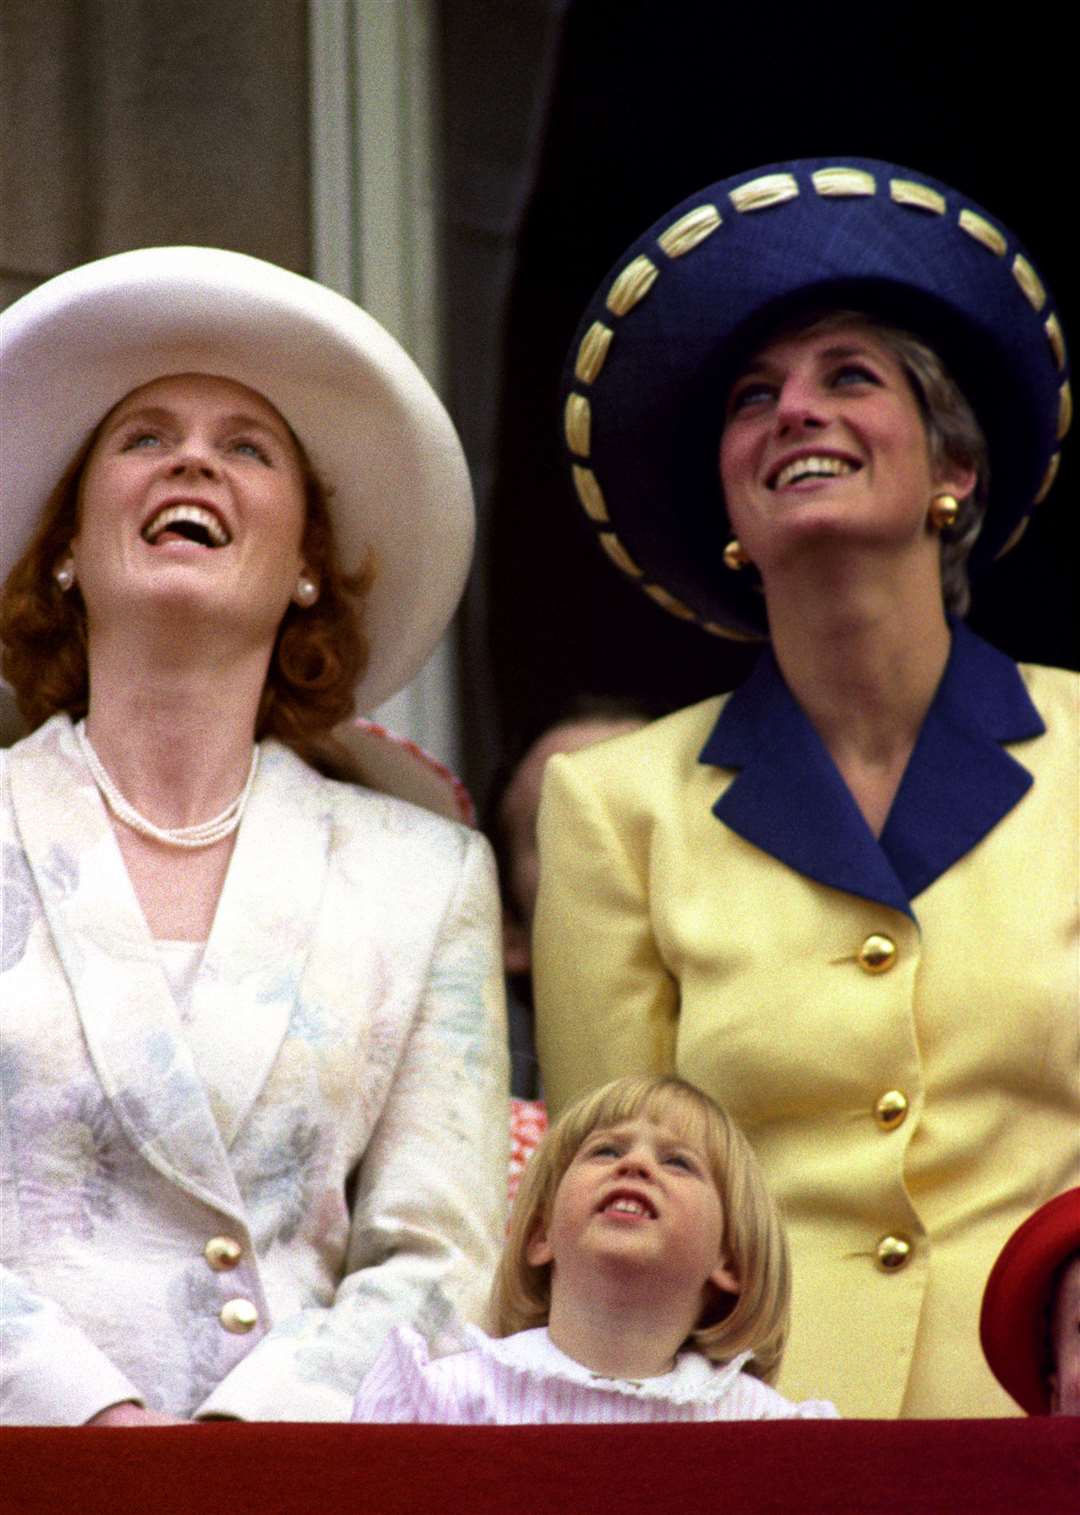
column 693, row 1379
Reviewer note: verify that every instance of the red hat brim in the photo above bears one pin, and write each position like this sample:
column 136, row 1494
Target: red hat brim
column 1013, row 1323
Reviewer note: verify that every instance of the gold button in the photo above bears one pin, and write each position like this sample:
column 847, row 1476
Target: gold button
column 877, row 954
column 892, row 1253
column 891, row 1108
column 239, row 1316
column 222, row 1253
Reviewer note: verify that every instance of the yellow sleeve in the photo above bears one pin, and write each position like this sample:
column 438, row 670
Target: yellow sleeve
column 605, row 1002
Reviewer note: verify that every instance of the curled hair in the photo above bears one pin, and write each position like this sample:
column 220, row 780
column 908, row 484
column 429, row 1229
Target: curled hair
column 320, row 654
column 753, row 1241
column 955, row 438
column 318, row 658
column 42, row 629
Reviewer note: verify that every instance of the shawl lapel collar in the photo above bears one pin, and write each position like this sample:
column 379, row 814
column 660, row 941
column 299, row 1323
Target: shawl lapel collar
column 180, row 1117
column 128, row 1016
column 266, row 922
column 789, row 799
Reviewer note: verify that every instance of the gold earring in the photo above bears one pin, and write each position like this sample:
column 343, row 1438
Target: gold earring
column 64, row 574
column 944, row 509
column 306, row 592
column 734, row 555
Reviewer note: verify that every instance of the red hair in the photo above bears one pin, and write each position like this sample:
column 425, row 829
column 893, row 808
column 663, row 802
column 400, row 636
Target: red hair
column 319, row 655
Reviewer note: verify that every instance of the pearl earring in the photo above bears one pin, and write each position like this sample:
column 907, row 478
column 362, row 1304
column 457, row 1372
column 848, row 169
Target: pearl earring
column 944, row 509
column 735, row 556
column 306, row 592
column 64, row 574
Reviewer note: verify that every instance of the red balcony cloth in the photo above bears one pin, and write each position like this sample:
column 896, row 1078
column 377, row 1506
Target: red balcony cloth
column 999, row 1467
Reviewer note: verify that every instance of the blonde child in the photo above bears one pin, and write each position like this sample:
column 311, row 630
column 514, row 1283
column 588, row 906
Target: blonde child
column 645, row 1278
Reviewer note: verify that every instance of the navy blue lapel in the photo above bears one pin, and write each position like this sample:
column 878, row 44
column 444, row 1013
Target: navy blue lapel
column 959, row 781
column 790, row 800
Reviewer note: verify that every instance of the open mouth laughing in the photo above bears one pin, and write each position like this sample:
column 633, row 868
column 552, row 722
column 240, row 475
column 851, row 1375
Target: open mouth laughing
column 195, row 523
column 812, row 466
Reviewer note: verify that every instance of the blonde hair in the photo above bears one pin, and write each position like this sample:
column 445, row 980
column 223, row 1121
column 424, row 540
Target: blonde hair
column 754, row 1242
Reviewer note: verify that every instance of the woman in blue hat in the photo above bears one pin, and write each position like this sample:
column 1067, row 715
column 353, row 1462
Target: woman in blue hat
column 803, row 408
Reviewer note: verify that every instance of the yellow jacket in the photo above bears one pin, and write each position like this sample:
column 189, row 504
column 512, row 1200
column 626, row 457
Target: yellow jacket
column 895, row 1023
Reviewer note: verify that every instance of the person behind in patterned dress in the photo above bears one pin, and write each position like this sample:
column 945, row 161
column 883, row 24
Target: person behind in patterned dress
column 645, row 1278
column 513, row 805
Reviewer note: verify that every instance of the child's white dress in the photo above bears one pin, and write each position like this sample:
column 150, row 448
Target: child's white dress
column 525, row 1380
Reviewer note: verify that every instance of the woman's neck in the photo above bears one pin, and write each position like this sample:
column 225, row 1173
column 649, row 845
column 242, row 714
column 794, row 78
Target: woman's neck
column 864, row 666
column 174, row 732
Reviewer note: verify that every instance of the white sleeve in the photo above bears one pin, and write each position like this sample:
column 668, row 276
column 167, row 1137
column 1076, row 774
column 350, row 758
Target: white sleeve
column 429, row 1213
column 51, row 1373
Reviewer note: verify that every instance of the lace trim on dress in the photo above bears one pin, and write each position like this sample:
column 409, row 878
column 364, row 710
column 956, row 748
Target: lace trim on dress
column 695, row 1378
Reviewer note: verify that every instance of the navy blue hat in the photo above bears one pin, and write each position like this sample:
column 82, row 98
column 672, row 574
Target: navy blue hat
column 650, row 365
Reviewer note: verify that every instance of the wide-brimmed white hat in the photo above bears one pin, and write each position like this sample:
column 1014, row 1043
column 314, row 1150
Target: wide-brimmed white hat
column 372, row 426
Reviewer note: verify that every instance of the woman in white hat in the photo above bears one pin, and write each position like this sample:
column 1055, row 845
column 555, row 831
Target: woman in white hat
column 842, row 899
column 253, row 1046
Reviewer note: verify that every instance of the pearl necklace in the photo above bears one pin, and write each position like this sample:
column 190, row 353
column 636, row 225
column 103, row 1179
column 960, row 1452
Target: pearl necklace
column 203, row 834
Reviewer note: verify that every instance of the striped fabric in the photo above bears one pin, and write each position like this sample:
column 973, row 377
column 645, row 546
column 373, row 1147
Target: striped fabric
column 526, row 1380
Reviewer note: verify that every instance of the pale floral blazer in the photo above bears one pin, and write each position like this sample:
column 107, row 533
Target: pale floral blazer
column 335, row 1103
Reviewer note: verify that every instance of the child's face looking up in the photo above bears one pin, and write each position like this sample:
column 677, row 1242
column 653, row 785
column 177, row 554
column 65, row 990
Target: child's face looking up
column 638, row 1198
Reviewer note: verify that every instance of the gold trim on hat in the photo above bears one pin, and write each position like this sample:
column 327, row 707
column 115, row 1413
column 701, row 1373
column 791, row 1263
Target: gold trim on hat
column 619, row 555
column 1048, row 478
column 589, row 493
column 668, row 601
column 577, row 419
column 634, row 282
column 592, row 352
column 1064, row 410
column 632, row 285
column 729, row 632
column 1029, row 281
column 983, row 231
column 759, row 194
column 1014, row 537
column 685, row 233
column 1056, row 338
column 841, row 182
column 920, row 196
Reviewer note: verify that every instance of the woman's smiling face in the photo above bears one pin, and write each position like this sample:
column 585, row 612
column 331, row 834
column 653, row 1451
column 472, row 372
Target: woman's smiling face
column 193, row 491
column 824, row 435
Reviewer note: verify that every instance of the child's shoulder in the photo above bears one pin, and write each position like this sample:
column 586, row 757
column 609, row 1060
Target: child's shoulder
column 407, row 1384
column 507, row 1380
column 749, row 1398
column 730, row 1391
